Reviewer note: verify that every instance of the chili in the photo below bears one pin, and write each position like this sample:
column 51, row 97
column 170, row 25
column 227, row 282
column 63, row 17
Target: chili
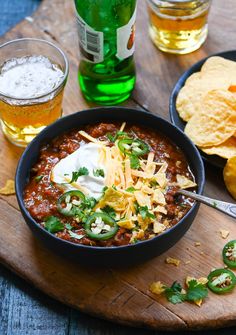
column 229, row 254
column 221, row 281
column 100, row 226
column 133, row 147
column 67, row 199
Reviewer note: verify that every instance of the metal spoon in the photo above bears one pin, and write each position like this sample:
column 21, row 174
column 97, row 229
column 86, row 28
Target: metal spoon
column 222, row 206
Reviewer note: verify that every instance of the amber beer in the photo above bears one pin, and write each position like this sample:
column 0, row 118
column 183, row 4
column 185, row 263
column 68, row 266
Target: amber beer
column 178, row 26
column 31, row 92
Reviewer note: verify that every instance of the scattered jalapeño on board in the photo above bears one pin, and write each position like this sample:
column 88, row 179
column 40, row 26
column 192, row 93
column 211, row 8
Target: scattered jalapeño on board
column 106, row 40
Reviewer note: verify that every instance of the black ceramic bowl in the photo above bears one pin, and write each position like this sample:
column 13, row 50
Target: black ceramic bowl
column 110, row 256
column 174, row 116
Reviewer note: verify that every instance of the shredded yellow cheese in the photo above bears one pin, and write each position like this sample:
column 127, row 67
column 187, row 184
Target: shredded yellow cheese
column 91, row 138
column 123, row 126
column 129, row 189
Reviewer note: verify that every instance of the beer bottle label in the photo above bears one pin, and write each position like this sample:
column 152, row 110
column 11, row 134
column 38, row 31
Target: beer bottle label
column 126, row 39
column 90, row 42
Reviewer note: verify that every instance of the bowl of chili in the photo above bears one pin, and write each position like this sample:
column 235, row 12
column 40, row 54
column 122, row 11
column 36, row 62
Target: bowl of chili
column 84, row 240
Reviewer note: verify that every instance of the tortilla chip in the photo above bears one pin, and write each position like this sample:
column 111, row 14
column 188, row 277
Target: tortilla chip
column 216, row 73
column 9, row 188
column 224, row 233
column 226, row 149
column 174, row 261
column 202, row 281
column 229, row 174
column 158, row 227
column 216, row 122
column 157, row 287
column 127, row 224
column 115, row 199
column 183, row 182
column 219, row 65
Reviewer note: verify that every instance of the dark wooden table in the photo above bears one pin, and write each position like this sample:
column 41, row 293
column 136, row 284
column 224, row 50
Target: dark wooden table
column 25, row 310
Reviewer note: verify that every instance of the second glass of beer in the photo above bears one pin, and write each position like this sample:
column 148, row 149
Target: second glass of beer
column 33, row 74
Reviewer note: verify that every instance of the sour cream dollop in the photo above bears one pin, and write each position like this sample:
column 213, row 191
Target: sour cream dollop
column 88, row 156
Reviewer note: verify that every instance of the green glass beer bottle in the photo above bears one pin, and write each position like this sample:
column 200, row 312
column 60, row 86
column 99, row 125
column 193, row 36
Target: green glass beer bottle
column 106, row 40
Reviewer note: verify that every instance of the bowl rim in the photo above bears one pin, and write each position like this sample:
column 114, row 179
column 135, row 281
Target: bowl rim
column 39, row 138
column 214, row 160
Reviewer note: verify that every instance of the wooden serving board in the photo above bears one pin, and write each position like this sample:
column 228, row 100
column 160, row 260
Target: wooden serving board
column 123, row 295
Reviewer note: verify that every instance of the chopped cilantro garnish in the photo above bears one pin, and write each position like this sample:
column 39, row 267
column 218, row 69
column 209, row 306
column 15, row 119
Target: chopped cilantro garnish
column 98, row 173
column 135, row 240
column 144, row 212
column 110, row 137
column 38, row 178
column 134, row 162
column 89, row 203
column 68, row 226
column 76, row 236
column 85, row 209
column 83, row 171
column 214, row 204
column 53, row 224
column 153, row 183
column 173, row 293
column 104, row 189
column 110, row 211
column 196, row 291
column 130, row 189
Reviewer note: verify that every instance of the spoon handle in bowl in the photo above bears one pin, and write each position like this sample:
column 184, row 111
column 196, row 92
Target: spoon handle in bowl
column 225, row 207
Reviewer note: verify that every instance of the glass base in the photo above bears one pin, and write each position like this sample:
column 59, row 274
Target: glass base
column 107, row 92
column 20, row 136
column 178, row 42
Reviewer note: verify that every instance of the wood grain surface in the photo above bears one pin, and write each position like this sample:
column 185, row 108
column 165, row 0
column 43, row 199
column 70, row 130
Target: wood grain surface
column 122, row 295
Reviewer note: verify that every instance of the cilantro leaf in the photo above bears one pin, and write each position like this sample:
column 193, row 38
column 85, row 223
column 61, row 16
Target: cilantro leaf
column 153, row 183
column 214, row 204
column 38, row 178
column 68, row 226
column 196, row 291
column 134, row 162
column 53, row 224
column 83, row 171
column 85, row 209
column 109, row 211
column 130, row 189
column 144, row 212
column 104, row 190
column 76, row 236
column 89, row 203
column 110, row 137
column 173, row 293
column 99, row 173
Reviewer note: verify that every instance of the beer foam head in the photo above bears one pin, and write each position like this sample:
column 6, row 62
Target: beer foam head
column 29, row 77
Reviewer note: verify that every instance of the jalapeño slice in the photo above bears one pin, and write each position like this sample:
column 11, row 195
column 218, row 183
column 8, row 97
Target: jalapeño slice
column 100, row 226
column 221, row 281
column 229, row 254
column 68, row 202
column 133, row 147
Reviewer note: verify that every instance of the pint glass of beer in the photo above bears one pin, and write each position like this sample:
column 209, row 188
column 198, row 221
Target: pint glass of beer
column 33, row 74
